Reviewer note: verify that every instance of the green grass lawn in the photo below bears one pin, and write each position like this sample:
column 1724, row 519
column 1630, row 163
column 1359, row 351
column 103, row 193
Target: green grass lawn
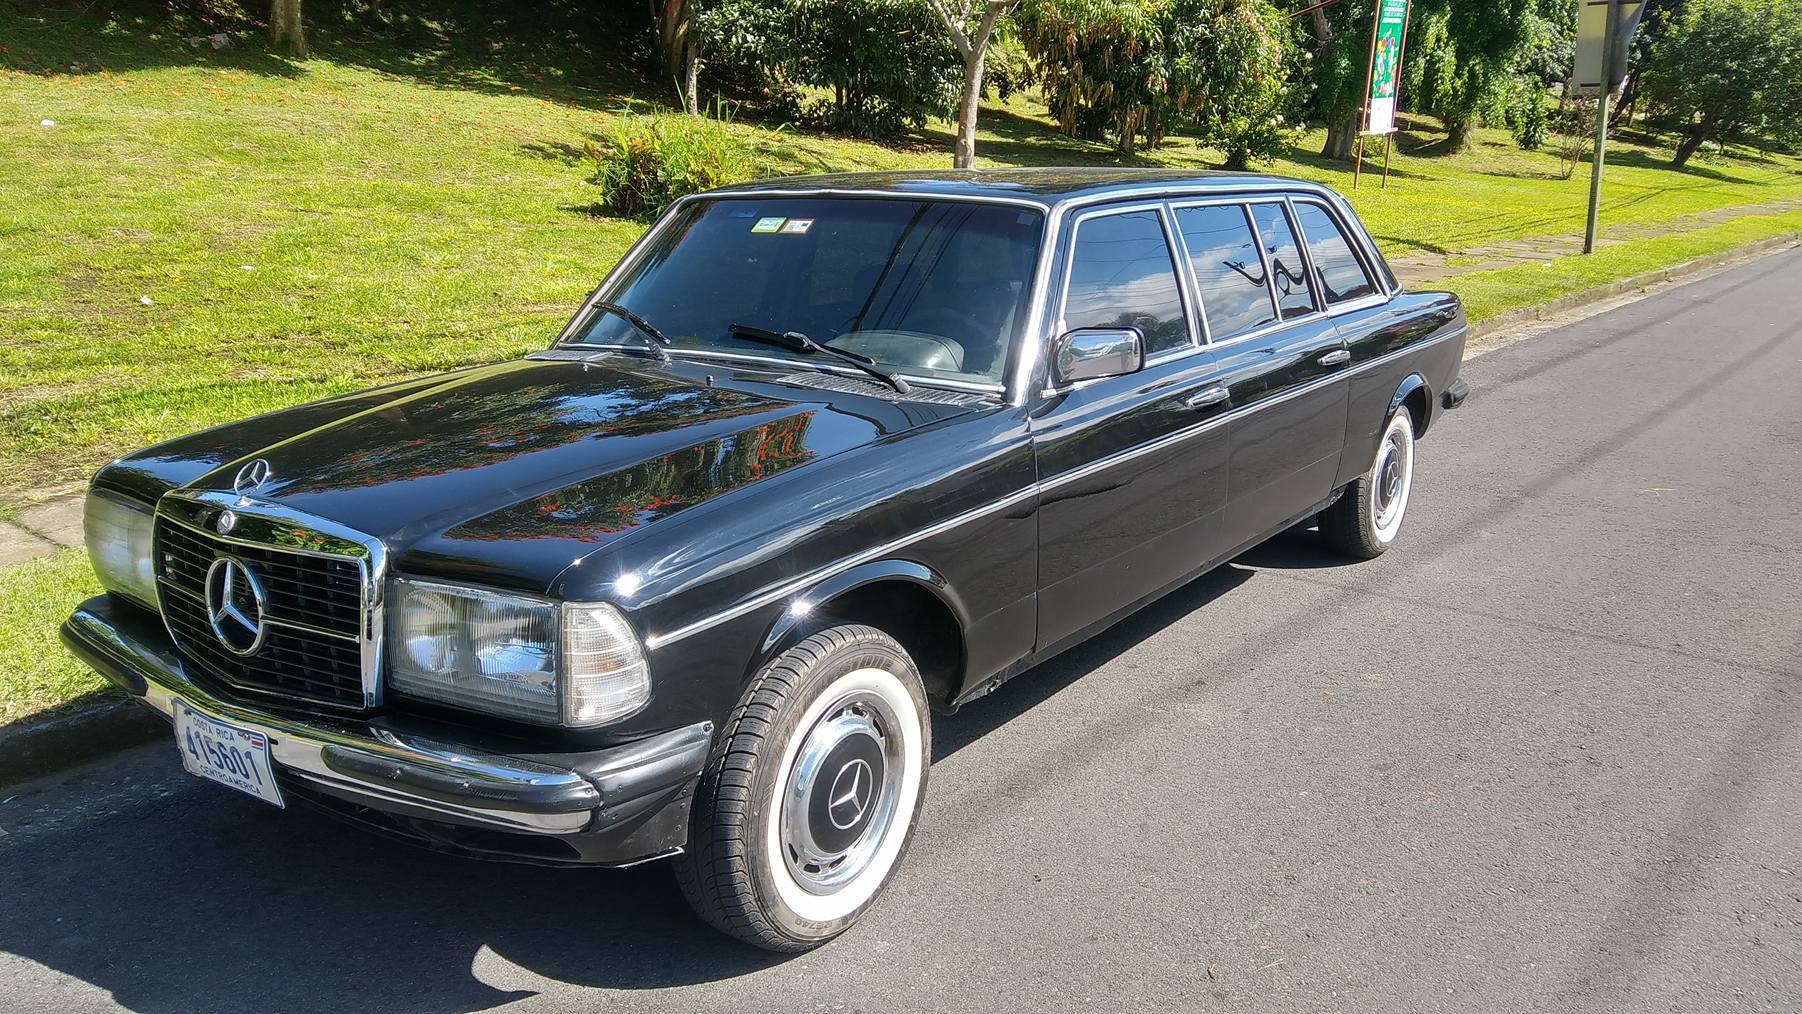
column 203, row 235
column 35, row 598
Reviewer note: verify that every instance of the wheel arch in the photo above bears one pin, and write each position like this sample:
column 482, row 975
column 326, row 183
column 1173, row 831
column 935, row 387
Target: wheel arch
column 1416, row 395
column 905, row 599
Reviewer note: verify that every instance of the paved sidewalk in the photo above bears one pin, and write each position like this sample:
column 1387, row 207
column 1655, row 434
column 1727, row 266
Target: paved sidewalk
column 41, row 530
column 1430, row 267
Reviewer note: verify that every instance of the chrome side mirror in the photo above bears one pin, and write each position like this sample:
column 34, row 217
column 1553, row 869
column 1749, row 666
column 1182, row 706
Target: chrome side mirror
column 1091, row 352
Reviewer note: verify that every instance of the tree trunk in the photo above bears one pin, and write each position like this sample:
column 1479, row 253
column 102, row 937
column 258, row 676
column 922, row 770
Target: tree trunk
column 1342, row 133
column 1690, row 143
column 974, row 48
column 691, row 80
column 1459, row 130
column 964, row 157
column 284, row 23
column 1341, row 139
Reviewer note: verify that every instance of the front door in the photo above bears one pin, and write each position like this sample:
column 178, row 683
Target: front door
column 1132, row 468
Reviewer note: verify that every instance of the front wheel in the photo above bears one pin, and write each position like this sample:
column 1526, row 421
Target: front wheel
column 812, row 795
column 1368, row 515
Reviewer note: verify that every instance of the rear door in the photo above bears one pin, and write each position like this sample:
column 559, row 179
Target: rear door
column 1132, row 468
column 1278, row 354
column 1373, row 325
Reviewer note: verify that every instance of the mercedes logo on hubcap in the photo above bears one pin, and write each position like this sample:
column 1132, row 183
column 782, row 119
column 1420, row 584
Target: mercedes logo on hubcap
column 234, row 605
column 250, row 477
column 851, row 792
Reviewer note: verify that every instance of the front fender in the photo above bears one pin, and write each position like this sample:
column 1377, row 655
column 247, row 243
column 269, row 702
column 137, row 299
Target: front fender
column 793, row 623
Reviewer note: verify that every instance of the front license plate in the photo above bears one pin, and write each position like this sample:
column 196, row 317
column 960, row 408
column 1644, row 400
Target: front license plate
column 226, row 754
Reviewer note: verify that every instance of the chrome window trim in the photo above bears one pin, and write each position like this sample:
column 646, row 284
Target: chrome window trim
column 1269, row 278
column 1183, row 295
column 813, row 577
column 1034, row 334
column 792, row 364
column 1024, row 347
column 1364, row 264
column 1371, row 301
column 369, row 553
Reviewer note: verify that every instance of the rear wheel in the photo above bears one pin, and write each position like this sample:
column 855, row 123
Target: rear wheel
column 1367, row 517
column 812, row 795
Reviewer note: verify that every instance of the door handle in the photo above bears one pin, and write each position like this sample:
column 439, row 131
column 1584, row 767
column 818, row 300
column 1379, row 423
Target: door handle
column 1207, row 397
column 1337, row 357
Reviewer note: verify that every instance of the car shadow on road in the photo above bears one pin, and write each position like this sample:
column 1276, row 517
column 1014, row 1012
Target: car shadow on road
column 1296, row 549
column 202, row 901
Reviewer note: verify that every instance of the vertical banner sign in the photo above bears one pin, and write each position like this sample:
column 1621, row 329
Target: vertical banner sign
column 1385, row 66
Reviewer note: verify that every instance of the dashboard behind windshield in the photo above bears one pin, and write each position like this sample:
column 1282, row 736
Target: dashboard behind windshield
column 928, row 288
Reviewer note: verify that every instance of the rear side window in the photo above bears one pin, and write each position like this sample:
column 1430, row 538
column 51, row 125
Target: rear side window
column 1294, row 296
column 1122, row 275
column 1229, row 274
column 1342, row 276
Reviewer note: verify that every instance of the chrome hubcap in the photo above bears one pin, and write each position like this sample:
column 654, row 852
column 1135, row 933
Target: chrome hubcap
column 1390, row 475
column 840, row 800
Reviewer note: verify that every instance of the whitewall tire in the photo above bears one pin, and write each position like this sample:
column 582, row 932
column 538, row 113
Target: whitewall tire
column 1367, row 517
column 812, row 795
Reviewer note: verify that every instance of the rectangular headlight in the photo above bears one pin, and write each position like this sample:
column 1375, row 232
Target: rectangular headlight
column 118, row 531
column 518, row 656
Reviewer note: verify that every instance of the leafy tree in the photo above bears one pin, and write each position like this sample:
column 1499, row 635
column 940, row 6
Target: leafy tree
column 1231, row 57
column 885, row 63
column 1133, row 71
column 971, row 28
column 1461, row 58
column 1341, row 52
column 1725, row 68
column 1101, row 66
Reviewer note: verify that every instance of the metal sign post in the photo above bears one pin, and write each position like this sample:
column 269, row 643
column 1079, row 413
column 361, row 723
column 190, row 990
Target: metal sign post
column 1603, row 94
column 1604, row 29
column 1382, row 82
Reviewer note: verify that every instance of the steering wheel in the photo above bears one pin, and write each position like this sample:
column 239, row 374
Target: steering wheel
column 944, row 320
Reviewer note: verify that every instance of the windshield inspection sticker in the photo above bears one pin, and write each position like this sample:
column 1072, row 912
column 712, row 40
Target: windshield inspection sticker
column 797, row 226
column 768, row 225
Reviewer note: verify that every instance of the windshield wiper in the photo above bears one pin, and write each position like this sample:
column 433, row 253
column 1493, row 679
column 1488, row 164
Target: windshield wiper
column 798, row 342
column 644, row 327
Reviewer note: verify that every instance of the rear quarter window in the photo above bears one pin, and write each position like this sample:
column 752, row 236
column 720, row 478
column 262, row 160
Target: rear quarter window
column 1342, row 275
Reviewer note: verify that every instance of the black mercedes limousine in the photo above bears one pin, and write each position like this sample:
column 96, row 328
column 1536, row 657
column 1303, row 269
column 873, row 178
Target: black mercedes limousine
column 818, row 456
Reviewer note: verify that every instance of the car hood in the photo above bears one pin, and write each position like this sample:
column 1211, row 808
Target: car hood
column 508, row 474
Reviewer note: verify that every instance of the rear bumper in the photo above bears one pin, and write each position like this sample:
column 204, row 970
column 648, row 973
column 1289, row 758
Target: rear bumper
column 607, row 807
column 1455, row 393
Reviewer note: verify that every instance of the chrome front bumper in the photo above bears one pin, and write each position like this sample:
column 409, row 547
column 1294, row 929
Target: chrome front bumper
column 614, row 790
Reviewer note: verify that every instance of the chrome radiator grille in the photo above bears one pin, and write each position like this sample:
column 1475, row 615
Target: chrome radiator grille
column 308, row 612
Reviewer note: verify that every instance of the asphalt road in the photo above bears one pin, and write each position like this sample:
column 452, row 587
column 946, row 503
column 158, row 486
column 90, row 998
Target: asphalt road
column 1543, row 755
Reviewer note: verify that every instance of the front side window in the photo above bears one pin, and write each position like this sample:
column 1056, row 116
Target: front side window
column 1229, row 274
column 1122, row 275
column 928, row 288
column 1294, row 296
column 1342, row 276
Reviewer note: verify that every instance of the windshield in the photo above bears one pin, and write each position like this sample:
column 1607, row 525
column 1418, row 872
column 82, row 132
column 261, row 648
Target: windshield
column 927, row 288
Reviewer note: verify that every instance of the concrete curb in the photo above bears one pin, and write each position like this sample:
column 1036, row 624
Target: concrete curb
column 106, row 722
column 99, row 724
column 1609, row 290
